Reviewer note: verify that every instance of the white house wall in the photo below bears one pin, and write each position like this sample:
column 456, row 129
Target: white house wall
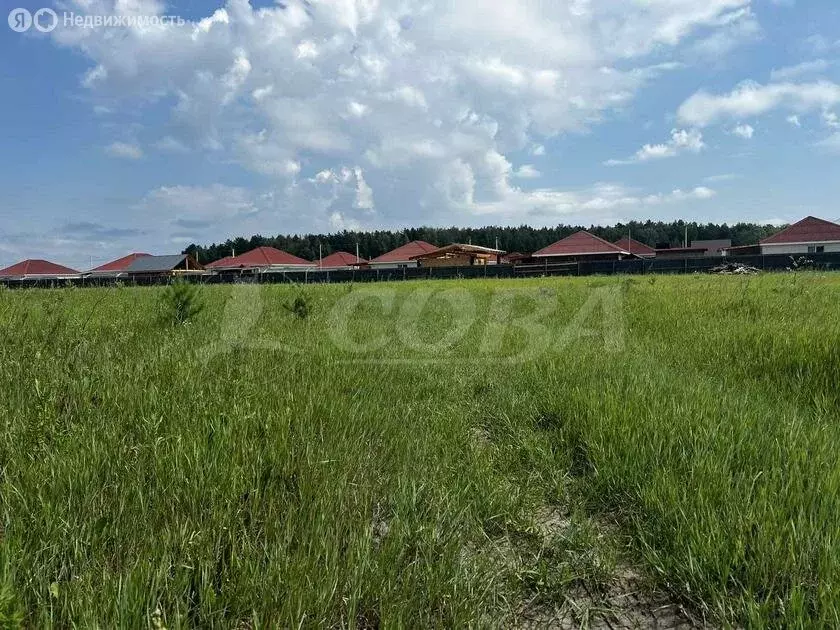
column 792, row 248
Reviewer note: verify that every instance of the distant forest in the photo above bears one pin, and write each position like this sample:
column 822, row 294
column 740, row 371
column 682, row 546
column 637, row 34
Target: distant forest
column 523, row 239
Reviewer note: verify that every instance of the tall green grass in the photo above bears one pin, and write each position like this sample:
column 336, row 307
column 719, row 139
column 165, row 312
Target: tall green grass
column 362, row 466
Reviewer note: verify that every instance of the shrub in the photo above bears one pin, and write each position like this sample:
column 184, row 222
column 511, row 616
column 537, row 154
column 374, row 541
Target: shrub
column 299, row 307
column 181, row 302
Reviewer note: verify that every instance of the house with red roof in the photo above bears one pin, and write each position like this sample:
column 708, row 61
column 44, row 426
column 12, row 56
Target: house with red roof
column 808, row 236
column 38, row 269
column 402, row 256
column 220, row 264
column 262, row 259
column 635, row 247
column 581, row 246
column 116, row 267
column 342, row 260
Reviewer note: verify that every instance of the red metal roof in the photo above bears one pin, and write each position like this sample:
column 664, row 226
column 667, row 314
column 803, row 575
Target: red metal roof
column 35, row 267
column 261, row 257
column 405, row 252
column 269, row 256
column 580, row 244
column 222, row 262
column 808, row 230
column 120, row 264
column 635, row 247
column 341, row 259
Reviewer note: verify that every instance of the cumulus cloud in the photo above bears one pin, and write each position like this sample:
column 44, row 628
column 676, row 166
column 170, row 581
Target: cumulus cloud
column 527, row 171
column 600, row 201
column 414, row 107
column 793, row 119
column 681, row 141
column 124, row 150
column 744, row 131
column 753, row 99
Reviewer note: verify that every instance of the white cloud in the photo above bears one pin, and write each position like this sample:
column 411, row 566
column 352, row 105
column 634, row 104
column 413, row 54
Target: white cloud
column 744, row 131
column 816, row 66
column 597, row 203
column 738, row 28
column 682, row 140
column 793, row 119
column 753, row 99
column 427, row 98
column 364, row 194
column 830, row 119
column 819, row 44
column 723, row 177
column 830, row 144
column 527, row 171
column 357, row 110
column 124, row 150
column 171, row 145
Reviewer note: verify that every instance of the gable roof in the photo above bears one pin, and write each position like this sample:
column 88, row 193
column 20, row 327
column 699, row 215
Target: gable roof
column 341, row 259
column 120, row 264
column 266, row 257
column 155, row 264
column 403, row 253
column 808, row 230
column 222, row 262
column 580, row 244
column 37, row 267
column 635, row 247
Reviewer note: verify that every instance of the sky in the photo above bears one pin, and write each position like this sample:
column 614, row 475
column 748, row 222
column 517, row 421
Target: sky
column 143, row 125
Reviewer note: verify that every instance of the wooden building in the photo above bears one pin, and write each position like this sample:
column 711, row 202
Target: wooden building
column 459, row 255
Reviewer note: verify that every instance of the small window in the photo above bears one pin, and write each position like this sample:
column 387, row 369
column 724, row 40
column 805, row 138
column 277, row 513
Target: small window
column 812, row 249
column 820, row 249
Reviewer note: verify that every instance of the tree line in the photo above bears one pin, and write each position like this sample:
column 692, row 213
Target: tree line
column 523, row 239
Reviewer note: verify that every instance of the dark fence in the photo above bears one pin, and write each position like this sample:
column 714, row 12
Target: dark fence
column 776, row 262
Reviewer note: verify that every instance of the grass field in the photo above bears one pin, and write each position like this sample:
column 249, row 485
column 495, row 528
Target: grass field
column 420, row 454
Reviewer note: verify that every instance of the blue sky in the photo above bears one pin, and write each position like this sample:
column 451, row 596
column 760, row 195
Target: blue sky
column 269, row 117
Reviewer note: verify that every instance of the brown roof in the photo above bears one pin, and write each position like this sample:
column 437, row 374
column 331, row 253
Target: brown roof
column 635, row 247
column 808, row 230
column 460, row 248
column 120, row 264
column 405, row 252
column 580, row 244
column 341, row 259
column 37, row 267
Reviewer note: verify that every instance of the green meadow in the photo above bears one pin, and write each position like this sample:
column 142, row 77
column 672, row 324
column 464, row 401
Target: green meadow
column 421, row 454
